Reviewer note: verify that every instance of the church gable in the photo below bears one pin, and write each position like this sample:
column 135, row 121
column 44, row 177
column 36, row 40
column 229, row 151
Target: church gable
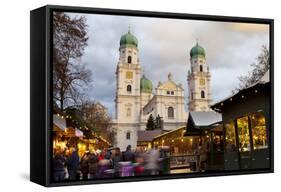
column 169, row 85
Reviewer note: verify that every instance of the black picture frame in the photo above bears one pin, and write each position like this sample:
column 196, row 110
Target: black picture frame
column 41, row 94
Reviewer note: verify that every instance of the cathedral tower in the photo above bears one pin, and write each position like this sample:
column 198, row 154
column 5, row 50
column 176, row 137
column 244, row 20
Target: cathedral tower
column 128, row 75
column 198, row 79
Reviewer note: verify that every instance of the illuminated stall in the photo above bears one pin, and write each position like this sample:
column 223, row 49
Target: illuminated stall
column 246, row 119
column 205, row 127
column 175, row 140
column 59, row 133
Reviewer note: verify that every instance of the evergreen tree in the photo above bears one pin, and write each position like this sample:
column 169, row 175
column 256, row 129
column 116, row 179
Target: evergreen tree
column 150, row 125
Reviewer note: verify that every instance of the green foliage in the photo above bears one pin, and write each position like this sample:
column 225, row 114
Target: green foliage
column 150, row 125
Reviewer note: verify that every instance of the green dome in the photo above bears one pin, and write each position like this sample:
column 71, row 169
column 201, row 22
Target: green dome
column 197, row 50
column 145, row 85
column 128, row 39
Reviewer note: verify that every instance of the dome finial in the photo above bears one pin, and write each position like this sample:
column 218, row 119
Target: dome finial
column 129, row 29
column 197, row 42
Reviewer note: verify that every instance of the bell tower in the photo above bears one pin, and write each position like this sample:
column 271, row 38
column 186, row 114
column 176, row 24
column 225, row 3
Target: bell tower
column 198, row 80
column 127, row 100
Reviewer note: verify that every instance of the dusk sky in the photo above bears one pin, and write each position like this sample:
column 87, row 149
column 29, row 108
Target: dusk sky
column 164, row 46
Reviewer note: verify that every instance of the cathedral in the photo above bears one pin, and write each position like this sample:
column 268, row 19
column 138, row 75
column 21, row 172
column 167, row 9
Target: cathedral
column 136, row 98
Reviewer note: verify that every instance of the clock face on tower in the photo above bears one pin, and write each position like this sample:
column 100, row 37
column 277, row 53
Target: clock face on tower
column 202, row 81
column 129, row 75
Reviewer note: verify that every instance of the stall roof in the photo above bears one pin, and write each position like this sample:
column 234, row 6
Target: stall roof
column 168, row 132
column 205, row 118
column 263, row 80
column 59, row 122
column 148, row 135
column 202, row 120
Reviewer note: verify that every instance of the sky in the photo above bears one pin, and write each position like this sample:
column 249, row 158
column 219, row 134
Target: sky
column 164, row 46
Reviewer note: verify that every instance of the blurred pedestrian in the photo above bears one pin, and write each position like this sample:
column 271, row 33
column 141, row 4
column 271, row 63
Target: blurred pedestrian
column 93, row 164
column 108, row 153
column 116, row 159
column 152, row 159
column 84, row 165
column 129, row 154
column 58, row 166
column 139, row 158
column 73, row 164
column 104, row 166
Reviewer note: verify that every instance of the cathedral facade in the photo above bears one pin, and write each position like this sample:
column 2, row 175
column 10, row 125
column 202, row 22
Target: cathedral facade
column 136, row 99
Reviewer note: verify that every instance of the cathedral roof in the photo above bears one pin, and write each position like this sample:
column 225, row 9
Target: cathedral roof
column 128, row 39
column 145, row 85
column 197, row 50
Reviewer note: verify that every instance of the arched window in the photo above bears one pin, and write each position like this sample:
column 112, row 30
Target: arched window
column 128, row 135
column 129, row 88
column 129, row 59
column 201, row 68
column 202, row 94
column 170, row 112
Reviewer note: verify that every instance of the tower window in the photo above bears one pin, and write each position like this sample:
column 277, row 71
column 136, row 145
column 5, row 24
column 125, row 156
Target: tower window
column 201, row 68
column 129, row 59
column 129, row 89
column 168, row 92
column 172, row 93
column 170, row 112
column 202, row 94
column 128, row 135
column 129, row 112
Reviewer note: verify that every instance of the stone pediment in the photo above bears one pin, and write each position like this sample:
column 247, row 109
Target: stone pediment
column 169, row 85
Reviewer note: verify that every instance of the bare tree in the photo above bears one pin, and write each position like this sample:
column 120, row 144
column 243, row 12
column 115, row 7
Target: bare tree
column 259, row 68
column 69, row 75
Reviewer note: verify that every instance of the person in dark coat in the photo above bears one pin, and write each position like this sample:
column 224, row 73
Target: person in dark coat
column 73, row 164
column 84, row 165
column 58, row 167
column 108, row 154
column 117, row 157
column 129, row 155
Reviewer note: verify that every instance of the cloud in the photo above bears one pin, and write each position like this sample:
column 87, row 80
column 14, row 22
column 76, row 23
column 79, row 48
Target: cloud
column 164, row 46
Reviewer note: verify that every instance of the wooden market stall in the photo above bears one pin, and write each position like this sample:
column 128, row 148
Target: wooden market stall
column 247, row 126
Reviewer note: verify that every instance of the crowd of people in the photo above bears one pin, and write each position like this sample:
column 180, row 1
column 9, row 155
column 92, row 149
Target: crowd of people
column 107, row 163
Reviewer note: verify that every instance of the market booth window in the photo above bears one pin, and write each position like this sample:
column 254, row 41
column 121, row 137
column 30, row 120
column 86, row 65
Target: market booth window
column 243, row 134
column 230, row 137
column 259, row 131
